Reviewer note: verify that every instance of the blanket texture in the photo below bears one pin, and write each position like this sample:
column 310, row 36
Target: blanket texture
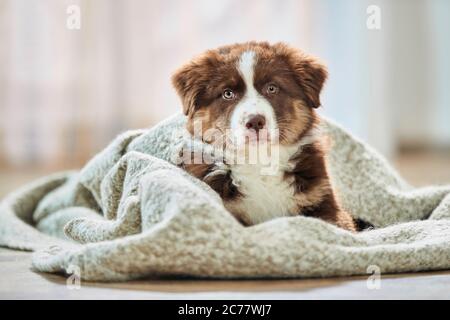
column 130, row 212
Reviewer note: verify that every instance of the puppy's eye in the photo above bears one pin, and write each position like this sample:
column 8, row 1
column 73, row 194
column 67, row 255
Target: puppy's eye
column 272, row 89
column 228, row 94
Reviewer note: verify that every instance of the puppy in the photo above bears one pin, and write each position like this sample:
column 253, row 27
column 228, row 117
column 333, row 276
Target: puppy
column 257, row 94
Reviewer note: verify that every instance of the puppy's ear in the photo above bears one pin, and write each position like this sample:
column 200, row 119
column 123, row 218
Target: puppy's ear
column 310, row 74
column 191, row 80
column 185, row 82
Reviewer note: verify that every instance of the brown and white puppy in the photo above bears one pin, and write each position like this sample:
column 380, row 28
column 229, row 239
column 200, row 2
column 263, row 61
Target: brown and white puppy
column 260, row 87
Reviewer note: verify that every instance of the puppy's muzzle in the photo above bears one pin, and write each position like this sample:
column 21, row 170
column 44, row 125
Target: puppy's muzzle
column 256, row 122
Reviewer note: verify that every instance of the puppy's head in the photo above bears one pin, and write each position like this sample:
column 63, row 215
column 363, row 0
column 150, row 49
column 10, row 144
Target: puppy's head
column 251, row 87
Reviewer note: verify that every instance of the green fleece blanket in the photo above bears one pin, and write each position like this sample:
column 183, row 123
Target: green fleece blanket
column 130, row 213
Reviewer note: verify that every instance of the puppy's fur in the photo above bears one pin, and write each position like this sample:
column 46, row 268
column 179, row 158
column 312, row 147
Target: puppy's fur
column 227, row 89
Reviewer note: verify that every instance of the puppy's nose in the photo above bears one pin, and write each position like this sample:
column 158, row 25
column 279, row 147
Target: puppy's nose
column 256, row 122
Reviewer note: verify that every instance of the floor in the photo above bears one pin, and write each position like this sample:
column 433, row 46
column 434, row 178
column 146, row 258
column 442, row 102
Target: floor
column 17, row 281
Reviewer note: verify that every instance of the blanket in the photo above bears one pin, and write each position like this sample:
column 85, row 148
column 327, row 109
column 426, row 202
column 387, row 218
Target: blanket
column 130, row 212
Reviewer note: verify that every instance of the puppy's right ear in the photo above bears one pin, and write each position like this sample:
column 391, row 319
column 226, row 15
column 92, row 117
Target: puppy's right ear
column 191, row 80
column 184, row 81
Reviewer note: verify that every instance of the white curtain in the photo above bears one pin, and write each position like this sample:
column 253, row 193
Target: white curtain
column 65, row 93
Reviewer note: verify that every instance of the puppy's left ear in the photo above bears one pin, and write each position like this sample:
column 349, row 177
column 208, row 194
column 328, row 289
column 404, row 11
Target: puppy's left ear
column 310, row 75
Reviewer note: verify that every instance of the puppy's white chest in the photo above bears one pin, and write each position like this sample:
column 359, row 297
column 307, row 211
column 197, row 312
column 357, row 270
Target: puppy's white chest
column 264, row 196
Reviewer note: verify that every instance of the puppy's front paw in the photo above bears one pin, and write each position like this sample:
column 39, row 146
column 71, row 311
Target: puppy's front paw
column 220, row 180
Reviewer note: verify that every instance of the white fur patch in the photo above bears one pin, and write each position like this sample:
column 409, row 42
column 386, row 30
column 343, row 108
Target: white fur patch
column 266, row 197
column 252, row 103
column 246, row 68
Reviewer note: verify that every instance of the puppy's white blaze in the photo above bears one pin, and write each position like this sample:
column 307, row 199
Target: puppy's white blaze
column 265, row 195
column 252, row 103
column 246, row 68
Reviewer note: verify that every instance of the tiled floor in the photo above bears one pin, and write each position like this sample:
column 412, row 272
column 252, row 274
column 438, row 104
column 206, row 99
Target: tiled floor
column 17, row 281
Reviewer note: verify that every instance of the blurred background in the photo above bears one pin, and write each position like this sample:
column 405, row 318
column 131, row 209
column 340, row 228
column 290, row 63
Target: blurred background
column 65, row 93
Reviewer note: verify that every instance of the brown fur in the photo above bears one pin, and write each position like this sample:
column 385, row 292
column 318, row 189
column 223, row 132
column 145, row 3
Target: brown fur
column 312, row 186
column 221, row 183
column 300, row 78
column 200, row 84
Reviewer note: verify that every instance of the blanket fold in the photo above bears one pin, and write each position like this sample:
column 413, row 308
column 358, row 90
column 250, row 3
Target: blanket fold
column 131, row 212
